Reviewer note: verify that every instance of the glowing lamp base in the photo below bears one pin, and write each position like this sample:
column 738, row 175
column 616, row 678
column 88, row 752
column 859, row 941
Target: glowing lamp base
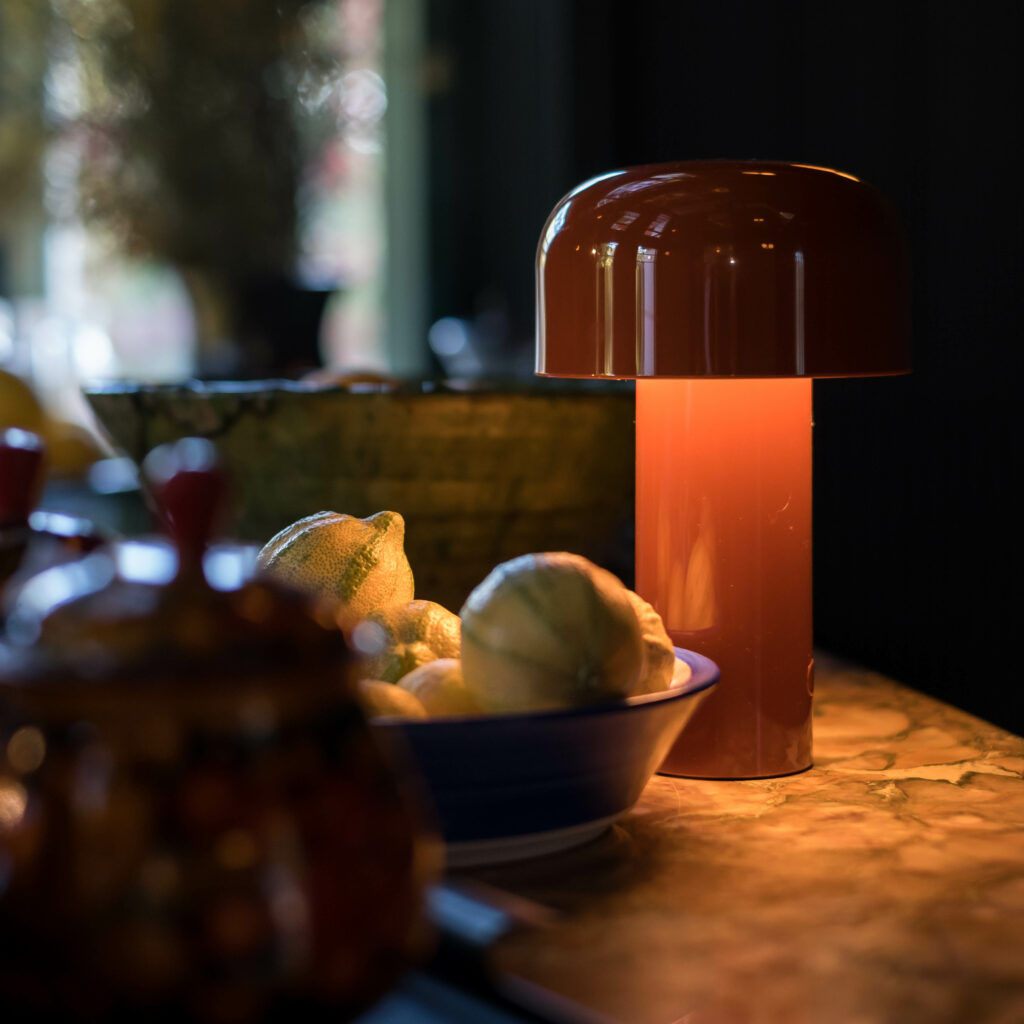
column 723, row 552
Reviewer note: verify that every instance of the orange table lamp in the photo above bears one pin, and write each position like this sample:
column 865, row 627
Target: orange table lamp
column 723, row 288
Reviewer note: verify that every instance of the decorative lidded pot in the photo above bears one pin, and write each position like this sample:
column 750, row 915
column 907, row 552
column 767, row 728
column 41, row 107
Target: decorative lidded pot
column 195, row 820
column 32, row 540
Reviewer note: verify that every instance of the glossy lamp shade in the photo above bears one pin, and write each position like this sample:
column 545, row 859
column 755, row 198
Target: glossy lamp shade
column 717, row 286
column 722, row 269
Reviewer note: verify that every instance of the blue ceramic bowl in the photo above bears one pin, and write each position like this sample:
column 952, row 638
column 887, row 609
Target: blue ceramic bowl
column 506, row 787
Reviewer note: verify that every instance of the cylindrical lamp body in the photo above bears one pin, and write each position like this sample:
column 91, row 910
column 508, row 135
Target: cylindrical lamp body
column 723, row 552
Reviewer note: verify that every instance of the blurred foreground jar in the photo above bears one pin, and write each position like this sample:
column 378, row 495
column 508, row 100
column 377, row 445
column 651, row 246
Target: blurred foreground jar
column 195, row 821
column 32, row 540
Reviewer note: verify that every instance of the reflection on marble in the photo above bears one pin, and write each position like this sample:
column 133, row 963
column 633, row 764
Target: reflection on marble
column 885, row 884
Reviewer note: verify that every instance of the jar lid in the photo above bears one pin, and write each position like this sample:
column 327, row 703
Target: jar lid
column 152, row 614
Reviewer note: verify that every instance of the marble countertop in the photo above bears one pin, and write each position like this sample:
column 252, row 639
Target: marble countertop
column 885, row 884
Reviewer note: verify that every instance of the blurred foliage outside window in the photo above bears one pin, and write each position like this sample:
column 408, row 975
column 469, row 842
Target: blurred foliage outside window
column 167, row 164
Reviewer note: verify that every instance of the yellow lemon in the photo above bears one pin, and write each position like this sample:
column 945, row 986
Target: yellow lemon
column 385, row 700
column 440, row 688
column 659, row 654
column 19, row 406
column 549, row 631
column 359, row 564
column 70, row 448
column 681, row 672
column 393, row 641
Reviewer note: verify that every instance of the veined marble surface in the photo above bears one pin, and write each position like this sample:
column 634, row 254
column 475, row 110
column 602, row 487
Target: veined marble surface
column 886, row 884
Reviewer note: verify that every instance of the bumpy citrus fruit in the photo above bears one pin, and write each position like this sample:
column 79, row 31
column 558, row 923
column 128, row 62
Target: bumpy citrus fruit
column 358, row 563
column 681, row 672
column 385, row 700
column 19, row 406
column 393, row 641
column 440, row 688
column 659, row 655
column 70, row 449
column 548, row 631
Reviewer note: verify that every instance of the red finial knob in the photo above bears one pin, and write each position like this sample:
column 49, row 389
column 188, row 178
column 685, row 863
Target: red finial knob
column 189, row 486
column 21, row 475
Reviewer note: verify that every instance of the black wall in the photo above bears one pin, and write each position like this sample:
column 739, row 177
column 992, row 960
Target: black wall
column 917, row 529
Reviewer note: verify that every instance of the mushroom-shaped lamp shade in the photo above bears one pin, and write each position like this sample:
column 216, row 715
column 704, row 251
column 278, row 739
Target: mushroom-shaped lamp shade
column 722, row 288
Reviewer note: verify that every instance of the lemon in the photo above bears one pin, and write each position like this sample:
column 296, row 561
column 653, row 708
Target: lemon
column 19, row 406
column 659, row 654
column 681, row 672
column 70, row 448
column 359, row 564
column 385, row 700
column 440, row 688
column 550, row 630
column 396, row 640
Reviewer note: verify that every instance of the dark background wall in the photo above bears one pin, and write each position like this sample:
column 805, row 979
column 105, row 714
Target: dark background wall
column 917, row 526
